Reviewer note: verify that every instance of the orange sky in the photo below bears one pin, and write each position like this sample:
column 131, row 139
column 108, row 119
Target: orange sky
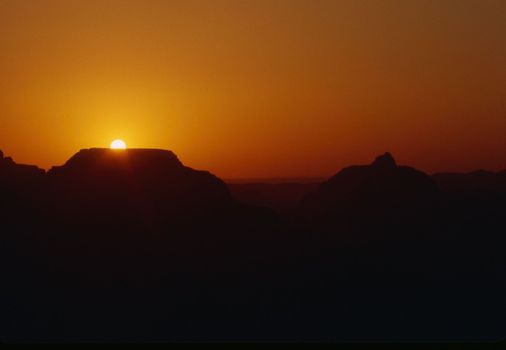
column 257, row 88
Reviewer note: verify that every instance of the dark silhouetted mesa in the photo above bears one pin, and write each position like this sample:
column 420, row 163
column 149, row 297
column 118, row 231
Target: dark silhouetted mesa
column 131, row 245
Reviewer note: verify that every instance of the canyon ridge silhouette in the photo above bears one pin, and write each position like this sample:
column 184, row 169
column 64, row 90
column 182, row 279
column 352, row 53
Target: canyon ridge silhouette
column 132, row 245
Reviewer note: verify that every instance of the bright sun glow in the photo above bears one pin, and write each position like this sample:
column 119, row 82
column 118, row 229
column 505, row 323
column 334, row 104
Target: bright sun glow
column 118, row 144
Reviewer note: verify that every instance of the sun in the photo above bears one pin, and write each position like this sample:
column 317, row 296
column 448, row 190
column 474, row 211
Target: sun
column 118, row 144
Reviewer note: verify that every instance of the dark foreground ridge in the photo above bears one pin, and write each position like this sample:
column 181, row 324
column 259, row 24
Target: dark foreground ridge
column 134, row 246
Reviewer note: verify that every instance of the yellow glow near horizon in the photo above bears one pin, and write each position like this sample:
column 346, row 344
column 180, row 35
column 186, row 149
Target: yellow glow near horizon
column 118, row 144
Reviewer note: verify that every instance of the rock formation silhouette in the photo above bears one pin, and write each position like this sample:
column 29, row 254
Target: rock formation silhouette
column 18, row 186
column 371, row 195
column 132, row 245
column 18, row 176
column 153, row 182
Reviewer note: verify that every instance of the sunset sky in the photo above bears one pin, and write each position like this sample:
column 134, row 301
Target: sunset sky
column 257, row 88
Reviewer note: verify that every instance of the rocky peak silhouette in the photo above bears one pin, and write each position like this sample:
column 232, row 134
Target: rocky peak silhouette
column 368, row 194
column 383, row 177
column 384, row 161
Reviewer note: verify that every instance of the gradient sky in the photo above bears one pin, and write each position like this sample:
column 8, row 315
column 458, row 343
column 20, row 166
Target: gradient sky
column 258, row 88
